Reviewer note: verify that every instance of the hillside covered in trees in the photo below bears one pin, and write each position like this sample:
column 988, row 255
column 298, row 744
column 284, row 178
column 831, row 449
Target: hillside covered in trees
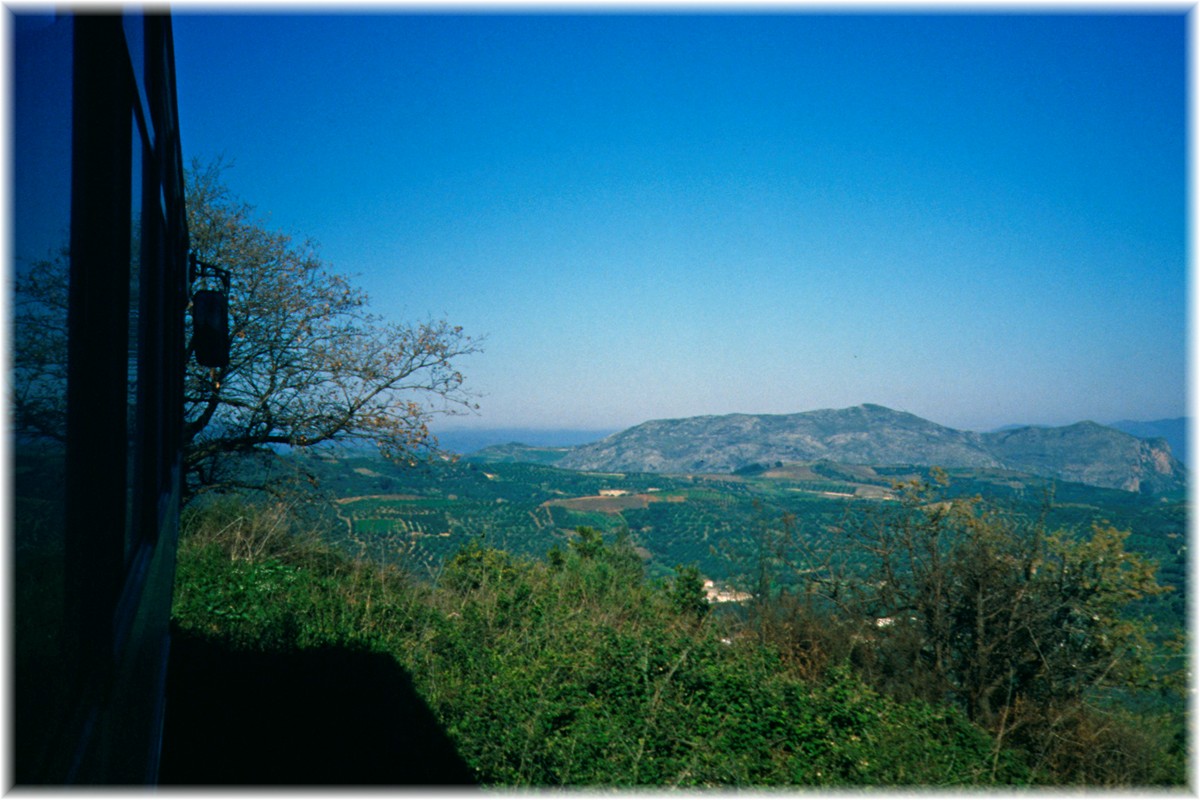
column 973, row 649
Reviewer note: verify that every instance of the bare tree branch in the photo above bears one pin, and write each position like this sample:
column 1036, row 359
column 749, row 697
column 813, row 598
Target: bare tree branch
column 310, row 363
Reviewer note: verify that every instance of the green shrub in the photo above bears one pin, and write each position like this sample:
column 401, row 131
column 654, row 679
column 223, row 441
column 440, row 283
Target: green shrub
column 578, row 672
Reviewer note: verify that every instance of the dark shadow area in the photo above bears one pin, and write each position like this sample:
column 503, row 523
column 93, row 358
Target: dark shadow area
column 329, row 716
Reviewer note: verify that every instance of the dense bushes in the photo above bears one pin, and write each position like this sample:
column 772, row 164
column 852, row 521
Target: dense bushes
column 1040, row 637
column 575, row 670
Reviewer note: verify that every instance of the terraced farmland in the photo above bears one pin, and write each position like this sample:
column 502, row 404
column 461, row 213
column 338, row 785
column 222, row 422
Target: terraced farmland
column 419, row 517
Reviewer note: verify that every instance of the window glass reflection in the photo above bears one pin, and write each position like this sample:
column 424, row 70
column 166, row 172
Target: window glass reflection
column 45, row 657
column 133, row 415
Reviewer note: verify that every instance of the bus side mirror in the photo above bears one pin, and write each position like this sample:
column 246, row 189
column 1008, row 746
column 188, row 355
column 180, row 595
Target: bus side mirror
column 210, row 328
column 210, row 314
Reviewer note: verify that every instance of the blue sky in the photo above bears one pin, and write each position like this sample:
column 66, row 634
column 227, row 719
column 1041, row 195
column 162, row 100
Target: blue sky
column 977, row 219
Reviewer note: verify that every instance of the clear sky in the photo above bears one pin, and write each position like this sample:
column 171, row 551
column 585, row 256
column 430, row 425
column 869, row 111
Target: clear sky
column 977, row 219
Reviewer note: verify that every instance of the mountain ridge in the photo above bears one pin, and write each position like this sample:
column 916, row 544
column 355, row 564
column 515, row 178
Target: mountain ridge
column 1085, row 452
column 1174, row 430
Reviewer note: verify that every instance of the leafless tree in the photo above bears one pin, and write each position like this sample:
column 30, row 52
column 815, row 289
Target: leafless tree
column 309, row 362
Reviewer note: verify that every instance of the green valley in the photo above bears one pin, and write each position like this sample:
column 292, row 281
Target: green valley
column 561, row 628
column 780, row 623
column 416, row 518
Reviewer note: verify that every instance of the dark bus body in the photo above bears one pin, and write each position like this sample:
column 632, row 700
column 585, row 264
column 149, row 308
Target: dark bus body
column 98, row 274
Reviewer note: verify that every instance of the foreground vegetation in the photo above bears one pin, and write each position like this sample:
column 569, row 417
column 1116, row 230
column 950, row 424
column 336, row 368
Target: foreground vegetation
column 577, row 669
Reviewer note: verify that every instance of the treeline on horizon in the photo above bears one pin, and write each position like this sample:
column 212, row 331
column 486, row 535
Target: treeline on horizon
column 947, row 644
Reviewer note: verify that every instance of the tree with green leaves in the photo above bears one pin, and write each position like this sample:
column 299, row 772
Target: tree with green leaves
column 687, row 594
column 997, row 611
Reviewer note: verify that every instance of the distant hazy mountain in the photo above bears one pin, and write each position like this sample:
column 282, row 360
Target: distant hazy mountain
column 870, row 434
column 1173, row 430
column 517, row 453
column 467, row 440
column 1097, row 455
